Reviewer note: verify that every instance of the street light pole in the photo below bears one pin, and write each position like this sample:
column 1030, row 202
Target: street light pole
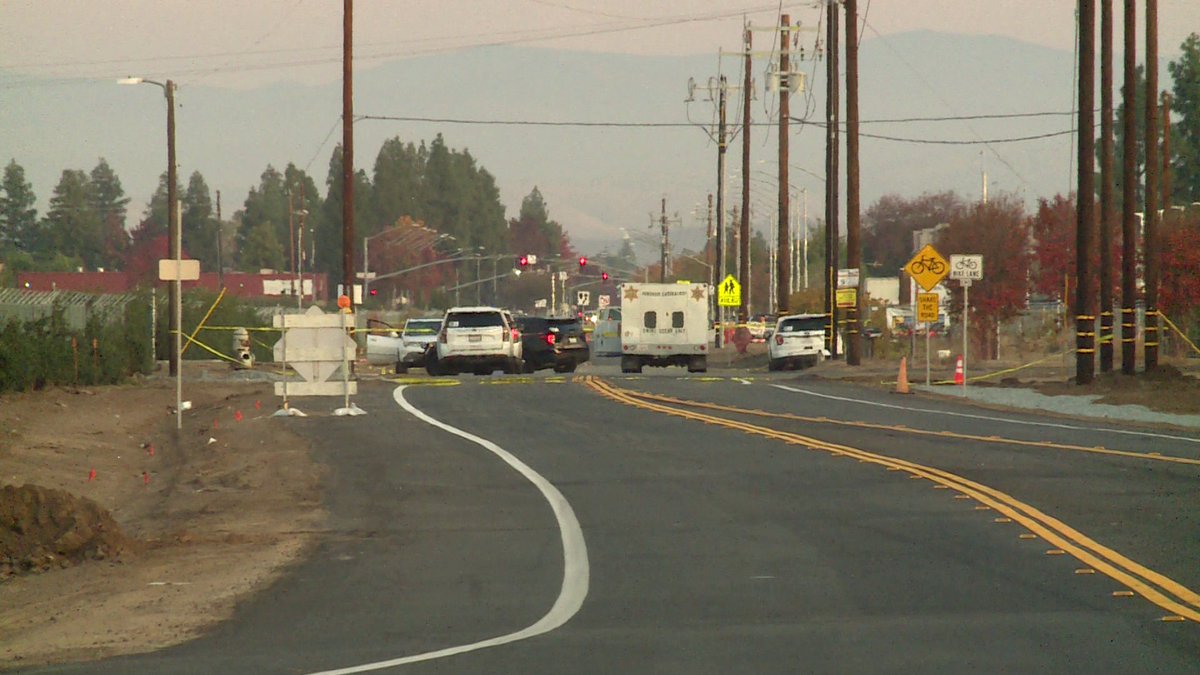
column 173, row 234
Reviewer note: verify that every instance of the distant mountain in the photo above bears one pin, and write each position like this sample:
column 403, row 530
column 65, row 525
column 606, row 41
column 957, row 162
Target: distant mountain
column 596, row 180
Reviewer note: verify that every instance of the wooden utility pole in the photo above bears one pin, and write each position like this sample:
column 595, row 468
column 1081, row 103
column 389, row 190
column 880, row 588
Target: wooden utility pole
column 744, row 226
column 783, row 240
column 220, row 235
column 722, row 144
column 1150, row 250
column 662, row 271
column 853, row 243
column 1129, row 196
column 348, row 150
column 1107, row 186
column 1167, row 187
column 832, row 104
column 1085, row 223
column 174, row 236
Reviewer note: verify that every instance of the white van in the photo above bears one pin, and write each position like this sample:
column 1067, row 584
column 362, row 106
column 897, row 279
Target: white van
column 664, row 325
column 606, row 337
column 797, row 341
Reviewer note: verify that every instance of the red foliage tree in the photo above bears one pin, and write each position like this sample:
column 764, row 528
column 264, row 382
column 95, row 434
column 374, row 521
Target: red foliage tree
column 1179, row 291
column 999, row 231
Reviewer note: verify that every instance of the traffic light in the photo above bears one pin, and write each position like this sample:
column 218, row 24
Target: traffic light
column 374, row 291
column 582, row 262
column 604, row 276
column 523, row 261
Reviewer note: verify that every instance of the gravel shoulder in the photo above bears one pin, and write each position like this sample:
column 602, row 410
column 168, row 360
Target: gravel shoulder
column 216, row 512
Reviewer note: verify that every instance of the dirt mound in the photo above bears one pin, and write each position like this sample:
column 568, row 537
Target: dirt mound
column 42, row 529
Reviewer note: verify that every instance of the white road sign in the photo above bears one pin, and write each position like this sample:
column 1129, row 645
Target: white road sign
column 966, row 266
column 582, row 298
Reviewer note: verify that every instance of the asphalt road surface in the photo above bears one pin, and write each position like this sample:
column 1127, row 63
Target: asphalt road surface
column 557, row 525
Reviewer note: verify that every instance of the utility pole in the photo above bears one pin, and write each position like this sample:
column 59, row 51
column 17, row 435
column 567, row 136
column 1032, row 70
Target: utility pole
column 1166, row 151
column 1128, row 197
column 744, row 226
column 832, row 105
column 348, row 150
column 1085, row 223
column 662, row 272
column 173, row 226
column 1107, row 186
column 220, row 234
column 719, row 272
column 1150, row 248
column 783, row 256
column 853, row 244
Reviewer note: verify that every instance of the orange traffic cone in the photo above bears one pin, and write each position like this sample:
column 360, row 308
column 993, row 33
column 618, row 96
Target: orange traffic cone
column 902, row 378
column 958, row 371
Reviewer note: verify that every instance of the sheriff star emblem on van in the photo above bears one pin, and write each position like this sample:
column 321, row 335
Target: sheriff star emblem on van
column 697, row 293
column 631, row 294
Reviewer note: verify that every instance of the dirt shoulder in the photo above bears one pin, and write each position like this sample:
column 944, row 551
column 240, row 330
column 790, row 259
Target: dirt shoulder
column 213, row 515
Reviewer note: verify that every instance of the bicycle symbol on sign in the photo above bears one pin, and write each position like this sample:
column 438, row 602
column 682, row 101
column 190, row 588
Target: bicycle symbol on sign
column 927, row 264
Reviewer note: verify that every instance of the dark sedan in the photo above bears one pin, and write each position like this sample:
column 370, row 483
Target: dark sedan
column 552, row 343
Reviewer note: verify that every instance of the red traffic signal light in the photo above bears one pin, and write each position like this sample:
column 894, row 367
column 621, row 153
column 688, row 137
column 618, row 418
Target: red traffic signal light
column 582, row 261
column 523, row 261
column 604, row 276
column 374, row 291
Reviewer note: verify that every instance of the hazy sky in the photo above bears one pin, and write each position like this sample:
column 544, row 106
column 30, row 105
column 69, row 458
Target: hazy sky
column 251, row 42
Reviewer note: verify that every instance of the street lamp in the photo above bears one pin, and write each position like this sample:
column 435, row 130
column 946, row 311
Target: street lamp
column 173, row 227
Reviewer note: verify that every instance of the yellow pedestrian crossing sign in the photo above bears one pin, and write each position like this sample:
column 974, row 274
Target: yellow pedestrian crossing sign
column 729, row 294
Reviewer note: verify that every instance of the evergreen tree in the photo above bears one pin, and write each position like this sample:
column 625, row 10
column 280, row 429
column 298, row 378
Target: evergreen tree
column 200, row 227
column 259, row 248
column 18, row 217
column 154, row 221
column 1185, row 132
column 265, row 205
column 399, row 177
column 305, row 201
column 72, row 227
column 329, row 226
column 109, row 202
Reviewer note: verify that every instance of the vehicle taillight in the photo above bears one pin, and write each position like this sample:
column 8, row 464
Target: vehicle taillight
column 442, row 337
column 779, row 339
column 550, row 339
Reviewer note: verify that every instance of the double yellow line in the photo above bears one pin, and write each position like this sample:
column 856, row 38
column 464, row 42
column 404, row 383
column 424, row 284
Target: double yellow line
column 1170, row 595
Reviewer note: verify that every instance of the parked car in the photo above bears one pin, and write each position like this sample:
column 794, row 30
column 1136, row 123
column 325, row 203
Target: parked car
column 552, row 343
column 476, row 339
column 418, row 335
column 798, row 340
column 384, row 344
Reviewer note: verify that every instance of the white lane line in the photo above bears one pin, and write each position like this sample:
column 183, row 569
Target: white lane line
column 575, row 559
column 988, row 418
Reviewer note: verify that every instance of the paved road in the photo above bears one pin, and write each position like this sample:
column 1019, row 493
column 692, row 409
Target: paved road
column 710, row 550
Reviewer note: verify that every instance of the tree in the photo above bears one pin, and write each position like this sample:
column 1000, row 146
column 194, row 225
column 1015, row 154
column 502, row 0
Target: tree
column 259, row 248
column 72, row 227
column 200, row 228
column 999, row 231
column 1179, row 293
column 1185, row 133
column 533, row 231
column 328, row 231
column 889, row 223
column 399, row 182
column 1053, row 231
column 109, row 202
column 18, row 217
column 155, row 218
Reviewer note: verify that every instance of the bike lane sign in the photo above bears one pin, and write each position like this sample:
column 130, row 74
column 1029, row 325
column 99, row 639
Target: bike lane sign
column 927, row 267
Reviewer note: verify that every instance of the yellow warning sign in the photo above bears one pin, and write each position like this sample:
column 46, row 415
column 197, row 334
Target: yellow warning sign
column 729, row 294
column 927, row 307
column 847, row 297
column 927, row 267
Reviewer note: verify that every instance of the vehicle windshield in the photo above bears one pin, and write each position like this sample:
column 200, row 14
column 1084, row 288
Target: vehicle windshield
column 423, row 327
column 474, row 320
column 565, row 325
column 802, row 324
